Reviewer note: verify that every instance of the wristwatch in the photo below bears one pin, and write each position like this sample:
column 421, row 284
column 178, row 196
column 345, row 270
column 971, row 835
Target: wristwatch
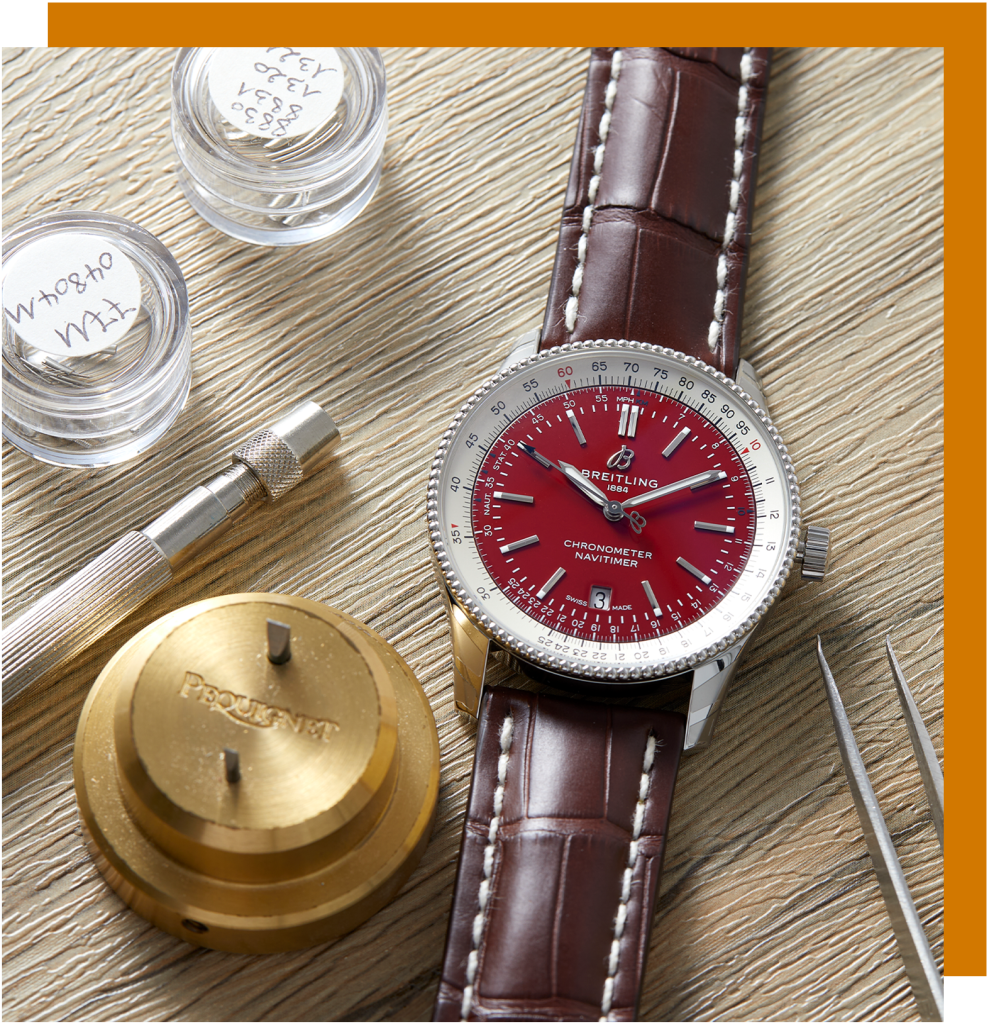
column 613, row 509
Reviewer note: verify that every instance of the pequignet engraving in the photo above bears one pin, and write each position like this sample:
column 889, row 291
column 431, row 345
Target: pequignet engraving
column 251, row 711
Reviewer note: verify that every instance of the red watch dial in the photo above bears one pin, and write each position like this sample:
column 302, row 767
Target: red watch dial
column 597, row 571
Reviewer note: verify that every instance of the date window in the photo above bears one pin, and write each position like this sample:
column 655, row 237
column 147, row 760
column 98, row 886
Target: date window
column 600, row 599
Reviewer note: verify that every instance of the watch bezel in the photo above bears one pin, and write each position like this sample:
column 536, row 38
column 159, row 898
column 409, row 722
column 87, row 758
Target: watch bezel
column 621, row 674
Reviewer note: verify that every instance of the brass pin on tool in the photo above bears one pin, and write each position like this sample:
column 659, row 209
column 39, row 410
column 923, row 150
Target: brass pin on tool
column 279, row 642
column 231, row 765
column 142, row 562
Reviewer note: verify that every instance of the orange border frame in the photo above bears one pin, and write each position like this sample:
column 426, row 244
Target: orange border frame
column 961, row 29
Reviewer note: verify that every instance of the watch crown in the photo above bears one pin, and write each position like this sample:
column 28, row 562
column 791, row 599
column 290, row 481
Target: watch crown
column 813, row 552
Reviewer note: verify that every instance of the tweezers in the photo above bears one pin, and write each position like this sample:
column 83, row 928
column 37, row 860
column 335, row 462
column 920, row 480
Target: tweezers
column 922, row 971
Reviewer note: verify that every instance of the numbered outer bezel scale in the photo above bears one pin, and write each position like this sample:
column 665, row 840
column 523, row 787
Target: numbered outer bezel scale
column 509, row 626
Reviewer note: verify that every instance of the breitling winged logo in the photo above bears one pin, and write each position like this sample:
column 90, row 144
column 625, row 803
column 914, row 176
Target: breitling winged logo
column 621, row 459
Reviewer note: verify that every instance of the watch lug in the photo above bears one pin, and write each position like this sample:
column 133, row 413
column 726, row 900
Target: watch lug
column 749, row 381
column 707, row 691
column 470, row 659
column 522, row 348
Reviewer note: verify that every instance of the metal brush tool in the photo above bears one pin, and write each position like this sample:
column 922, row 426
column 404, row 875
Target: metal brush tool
column 142, row 562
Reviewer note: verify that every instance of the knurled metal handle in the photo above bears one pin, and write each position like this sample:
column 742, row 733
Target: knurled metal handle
column 274, row 463
column 81, row 609
column 108, row 589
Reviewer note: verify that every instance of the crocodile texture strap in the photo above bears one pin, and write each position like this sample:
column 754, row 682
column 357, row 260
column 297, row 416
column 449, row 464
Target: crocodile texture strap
column 655, row 235
column 560, row 860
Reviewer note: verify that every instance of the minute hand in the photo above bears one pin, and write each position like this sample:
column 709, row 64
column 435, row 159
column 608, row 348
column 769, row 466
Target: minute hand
column 710, row 477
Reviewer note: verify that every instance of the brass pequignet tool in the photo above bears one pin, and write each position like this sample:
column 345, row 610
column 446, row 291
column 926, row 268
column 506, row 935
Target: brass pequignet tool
column 142, row 562
column 256, row 772
column 922, row 971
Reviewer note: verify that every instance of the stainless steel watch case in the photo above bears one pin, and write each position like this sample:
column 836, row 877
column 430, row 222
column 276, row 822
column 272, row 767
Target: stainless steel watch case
column 475, row 639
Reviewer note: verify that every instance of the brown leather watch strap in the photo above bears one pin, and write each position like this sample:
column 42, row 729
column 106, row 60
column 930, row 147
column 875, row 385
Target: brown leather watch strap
column 560, row 859
column 655, row 235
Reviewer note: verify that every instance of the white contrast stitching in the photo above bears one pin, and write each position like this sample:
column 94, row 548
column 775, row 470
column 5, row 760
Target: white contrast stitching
column 741, row 131
column 483, row 890
column 570, row 311
column 633, row 853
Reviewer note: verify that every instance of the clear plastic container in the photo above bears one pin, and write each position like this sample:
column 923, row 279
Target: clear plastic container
column 96, row 339
column 279, row 145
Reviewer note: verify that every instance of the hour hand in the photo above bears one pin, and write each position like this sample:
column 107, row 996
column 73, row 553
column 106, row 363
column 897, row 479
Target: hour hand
column 574, row 475
column 699, row 480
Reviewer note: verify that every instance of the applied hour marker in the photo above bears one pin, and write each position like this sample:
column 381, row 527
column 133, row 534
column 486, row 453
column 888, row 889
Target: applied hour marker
column 628, row 420
column 515, row 545
column 676, row 442
column 508, row 496
column 551, row 582
column 651, row 597
column 704, row 578
column 576, row 427
column 713, row 527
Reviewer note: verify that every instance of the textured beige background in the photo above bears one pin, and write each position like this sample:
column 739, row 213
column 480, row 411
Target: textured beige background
column 769, row 908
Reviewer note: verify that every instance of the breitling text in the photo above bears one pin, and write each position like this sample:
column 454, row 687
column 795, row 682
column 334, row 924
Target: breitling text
column 250, row 711
column 620, row 478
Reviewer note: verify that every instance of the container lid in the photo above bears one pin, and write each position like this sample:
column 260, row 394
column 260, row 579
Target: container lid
column 96, row 339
